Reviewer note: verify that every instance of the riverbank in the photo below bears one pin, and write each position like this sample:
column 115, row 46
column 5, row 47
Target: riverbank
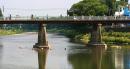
column 110, row 38
column 10, row 32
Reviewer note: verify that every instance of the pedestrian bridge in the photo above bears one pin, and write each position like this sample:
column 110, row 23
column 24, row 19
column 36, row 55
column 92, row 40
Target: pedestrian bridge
column 95, row 21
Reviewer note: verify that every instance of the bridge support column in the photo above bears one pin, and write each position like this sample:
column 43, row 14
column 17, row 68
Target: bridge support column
column 96, row 36
column 42, row 39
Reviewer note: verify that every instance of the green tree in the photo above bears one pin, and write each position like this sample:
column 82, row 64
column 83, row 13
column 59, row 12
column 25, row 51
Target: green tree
column 88, row 7
column 113, row 5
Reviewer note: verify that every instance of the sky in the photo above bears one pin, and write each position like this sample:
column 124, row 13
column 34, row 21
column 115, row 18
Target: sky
column 36, row 7
column 128, row 1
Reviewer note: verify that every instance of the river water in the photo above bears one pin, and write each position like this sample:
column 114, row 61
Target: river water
column 16, row 53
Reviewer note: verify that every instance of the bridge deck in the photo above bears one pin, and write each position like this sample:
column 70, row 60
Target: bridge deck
column 62, row 21
column 66, row 20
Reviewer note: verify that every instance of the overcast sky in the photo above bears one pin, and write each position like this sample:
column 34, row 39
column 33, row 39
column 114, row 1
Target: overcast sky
column 36, row 7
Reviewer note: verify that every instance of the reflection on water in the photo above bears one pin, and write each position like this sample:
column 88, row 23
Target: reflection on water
column 101, row 58
column 1, row 48
column 118, row 58
column 42, row 53
column 90, row 59
column 1, row 53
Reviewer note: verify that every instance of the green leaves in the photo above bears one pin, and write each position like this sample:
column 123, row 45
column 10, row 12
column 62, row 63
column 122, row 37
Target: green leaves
column 89, row 8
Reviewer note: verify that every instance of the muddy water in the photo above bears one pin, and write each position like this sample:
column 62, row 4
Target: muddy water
column 16, row 53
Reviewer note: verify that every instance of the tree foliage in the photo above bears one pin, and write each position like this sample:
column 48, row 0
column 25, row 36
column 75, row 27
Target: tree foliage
column 113, row 5
column 88, row 7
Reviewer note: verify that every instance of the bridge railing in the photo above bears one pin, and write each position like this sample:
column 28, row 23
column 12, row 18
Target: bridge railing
column 17, row 18
column 89, row 18
column 66, row 18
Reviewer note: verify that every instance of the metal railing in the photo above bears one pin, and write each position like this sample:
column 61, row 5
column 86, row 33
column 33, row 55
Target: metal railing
column 66, row 18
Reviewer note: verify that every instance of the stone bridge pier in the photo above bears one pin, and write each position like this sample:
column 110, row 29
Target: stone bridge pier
column 96, row 36
column 95, row 40
column 42, row 37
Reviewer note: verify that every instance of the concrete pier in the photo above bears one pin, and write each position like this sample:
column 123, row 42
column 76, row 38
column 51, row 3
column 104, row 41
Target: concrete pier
column 42, row 37
column 96, row 36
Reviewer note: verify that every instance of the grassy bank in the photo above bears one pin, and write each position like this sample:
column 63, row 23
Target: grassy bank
column 119, row 38
column 10, row 32
column 116, row 37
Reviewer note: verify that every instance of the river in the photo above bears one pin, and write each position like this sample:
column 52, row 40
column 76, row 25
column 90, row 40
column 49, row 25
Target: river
column 16, row 53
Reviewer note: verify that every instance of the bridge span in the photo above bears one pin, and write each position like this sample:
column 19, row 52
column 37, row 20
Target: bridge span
column 71, row 19
column 95, row 21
